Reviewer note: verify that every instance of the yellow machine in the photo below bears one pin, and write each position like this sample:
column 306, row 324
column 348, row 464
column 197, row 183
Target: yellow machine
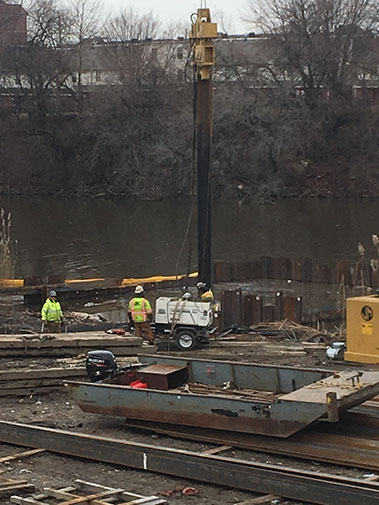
column 202, row 33
column 362, row 329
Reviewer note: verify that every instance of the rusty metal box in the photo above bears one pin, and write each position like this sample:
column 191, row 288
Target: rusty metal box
column 164, row 377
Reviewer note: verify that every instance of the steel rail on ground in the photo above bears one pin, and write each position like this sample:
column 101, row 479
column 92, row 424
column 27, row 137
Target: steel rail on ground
column 312, row 444
column 301, row 485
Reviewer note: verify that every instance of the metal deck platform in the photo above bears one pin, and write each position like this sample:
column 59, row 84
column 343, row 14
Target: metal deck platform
column 299, row 396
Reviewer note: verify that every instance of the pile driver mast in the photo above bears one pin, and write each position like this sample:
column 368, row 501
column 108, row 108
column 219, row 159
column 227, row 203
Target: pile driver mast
column 203, row 32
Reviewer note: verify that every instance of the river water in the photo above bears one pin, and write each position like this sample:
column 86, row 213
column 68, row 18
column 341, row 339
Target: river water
column 121, row 238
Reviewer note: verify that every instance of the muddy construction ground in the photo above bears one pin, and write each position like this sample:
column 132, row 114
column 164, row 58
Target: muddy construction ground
column 294, row 346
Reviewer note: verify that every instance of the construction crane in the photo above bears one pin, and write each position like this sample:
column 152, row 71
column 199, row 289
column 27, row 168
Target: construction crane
column 203, row 32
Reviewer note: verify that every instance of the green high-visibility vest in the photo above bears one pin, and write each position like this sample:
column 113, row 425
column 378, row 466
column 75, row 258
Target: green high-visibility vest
column 52, row 311
column 139, row 309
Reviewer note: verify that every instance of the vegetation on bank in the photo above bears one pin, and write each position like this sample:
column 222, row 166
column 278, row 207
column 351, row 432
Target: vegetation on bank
column 285, row 127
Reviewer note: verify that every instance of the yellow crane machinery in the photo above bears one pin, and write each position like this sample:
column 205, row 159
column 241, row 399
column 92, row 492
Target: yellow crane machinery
column 203, row 31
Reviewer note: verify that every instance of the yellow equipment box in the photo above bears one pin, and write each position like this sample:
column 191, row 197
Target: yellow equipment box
column 362, row 329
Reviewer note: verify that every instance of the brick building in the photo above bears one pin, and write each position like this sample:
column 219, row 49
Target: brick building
column 13, row 29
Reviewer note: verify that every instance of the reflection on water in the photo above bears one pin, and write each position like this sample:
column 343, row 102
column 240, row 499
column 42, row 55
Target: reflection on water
column 120, row 238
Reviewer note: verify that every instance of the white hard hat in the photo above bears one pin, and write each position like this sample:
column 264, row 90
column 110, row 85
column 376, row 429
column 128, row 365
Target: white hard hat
column 53, row 293
column 201, row 285
column 139, row 289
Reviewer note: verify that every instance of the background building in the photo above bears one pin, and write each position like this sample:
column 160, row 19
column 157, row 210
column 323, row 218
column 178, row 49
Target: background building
column 13, row 28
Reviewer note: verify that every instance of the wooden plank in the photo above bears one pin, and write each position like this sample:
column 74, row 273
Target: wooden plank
column 55, row 373
column 92, row 498
column 28, row 391
column 4, row 481
column 37, row 383
column 58, row 342
column 43, row 496
column 19, row 500
column 260, row 500
column 5, row 490
column 69, row 496
column 136, row 498
column 74, row 351
column 217, row 450
column 21, row 455
column 92, row 486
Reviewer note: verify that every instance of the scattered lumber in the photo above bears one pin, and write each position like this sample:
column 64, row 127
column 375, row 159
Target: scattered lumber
column 211, row 389
column 75, row 495
column 28, row 374
column 68, row 344
column 217, row 450
column 273, row 347
column 21, row 455
column 260, row 500
column 8, row 486
column 30, row 381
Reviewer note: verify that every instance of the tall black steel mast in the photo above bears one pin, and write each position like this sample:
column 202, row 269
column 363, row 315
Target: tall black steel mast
column 202, row 34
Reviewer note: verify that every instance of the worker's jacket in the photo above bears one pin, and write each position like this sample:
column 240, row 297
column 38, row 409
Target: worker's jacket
column 51, row 311
column 139, row 308
column 207, row 296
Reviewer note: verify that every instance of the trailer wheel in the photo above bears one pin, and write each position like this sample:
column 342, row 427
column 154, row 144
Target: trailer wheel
column 185, row 338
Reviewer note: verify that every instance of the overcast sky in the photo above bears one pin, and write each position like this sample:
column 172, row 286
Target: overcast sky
column 180, row 10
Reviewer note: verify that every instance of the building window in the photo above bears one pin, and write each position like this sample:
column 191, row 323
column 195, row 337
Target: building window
column 180, row 53
column 98, row 76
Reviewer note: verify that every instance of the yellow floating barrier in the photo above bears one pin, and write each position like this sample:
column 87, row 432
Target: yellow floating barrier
column 20, row 283
column 156, row 278
column 12, row 283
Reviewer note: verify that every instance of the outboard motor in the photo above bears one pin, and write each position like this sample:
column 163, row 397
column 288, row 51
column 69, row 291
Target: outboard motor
column 100, row 365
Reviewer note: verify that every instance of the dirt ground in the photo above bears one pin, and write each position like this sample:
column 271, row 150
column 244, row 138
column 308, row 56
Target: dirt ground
column 291, row 346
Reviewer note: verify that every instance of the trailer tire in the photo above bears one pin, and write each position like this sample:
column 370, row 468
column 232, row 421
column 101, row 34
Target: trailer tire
column 185, row 338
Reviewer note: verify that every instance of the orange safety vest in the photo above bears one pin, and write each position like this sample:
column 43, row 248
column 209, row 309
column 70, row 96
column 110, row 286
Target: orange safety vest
column 139, row 309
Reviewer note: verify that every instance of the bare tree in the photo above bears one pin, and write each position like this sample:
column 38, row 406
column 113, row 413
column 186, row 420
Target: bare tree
column 87, row 21
column 130, row 25
column 322, row 43
column 38, row 68
column 49, row 23
column 134, row 51
column 224, row 21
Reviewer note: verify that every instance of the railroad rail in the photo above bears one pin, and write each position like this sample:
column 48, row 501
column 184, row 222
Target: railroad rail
column 301, row 485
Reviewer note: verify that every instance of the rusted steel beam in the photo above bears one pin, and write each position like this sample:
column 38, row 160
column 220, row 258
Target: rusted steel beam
column 310, row 487
column 312, row 444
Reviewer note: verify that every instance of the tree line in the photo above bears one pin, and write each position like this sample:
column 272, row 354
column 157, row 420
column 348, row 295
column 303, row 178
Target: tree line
column 297, row 119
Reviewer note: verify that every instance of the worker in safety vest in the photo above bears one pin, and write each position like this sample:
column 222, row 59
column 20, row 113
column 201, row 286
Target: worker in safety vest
column 140, row 314
column 205, row 293
column 52, row 315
